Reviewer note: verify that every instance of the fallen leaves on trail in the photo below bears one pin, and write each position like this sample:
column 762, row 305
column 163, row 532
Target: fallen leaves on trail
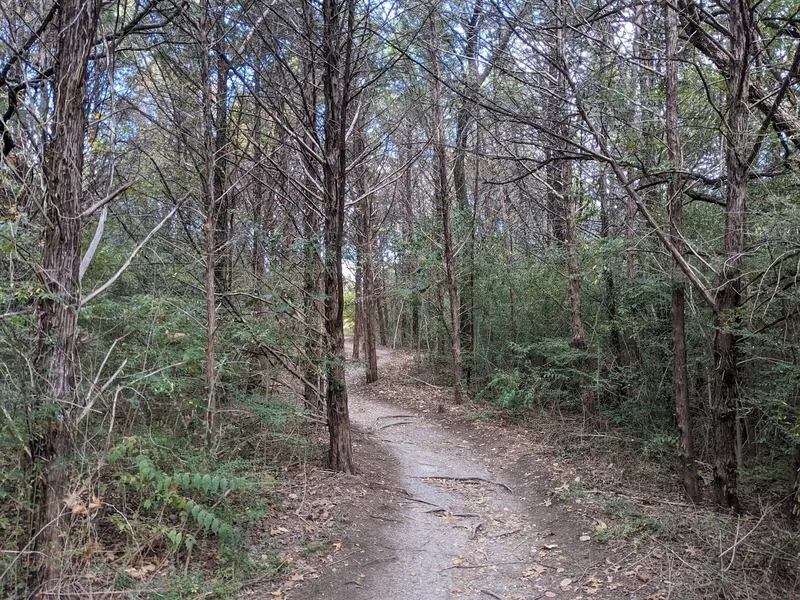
column 534, row 572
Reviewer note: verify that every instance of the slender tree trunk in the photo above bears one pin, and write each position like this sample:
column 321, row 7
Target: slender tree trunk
column 260, row 206
column 569, row 200
column 611, row 297
column 311, row 312
column 359, row 290
column 381, row 312
column 338, row 22
column 222, row 213
column 210, row 181
column 411, row 240
column 509, row 239
column 57, row 313
column 464, row 121
column 675, row 205
column 369, row 304
column 366, row 253
column 729, row 294
column 445, row 212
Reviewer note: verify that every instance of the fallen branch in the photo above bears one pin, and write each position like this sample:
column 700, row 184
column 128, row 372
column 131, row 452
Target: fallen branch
column 436, row 387
column 492, row 594
column 489, row 565
column 397, row 417
column 449, row 514
column 421, row 501
column 130, row 258
column 380, row 518
column 393, row 424
column 503, row 534
column 473, row 479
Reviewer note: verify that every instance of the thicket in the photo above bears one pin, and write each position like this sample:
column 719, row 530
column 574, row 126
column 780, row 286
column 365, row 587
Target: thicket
column 527, row 193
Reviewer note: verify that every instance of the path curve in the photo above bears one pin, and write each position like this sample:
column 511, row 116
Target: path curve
column 495, row 536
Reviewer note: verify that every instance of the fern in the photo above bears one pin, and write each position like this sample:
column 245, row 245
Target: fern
column 210, row 485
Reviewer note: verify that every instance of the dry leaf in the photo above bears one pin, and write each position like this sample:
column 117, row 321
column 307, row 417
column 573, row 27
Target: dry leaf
column 278, row 531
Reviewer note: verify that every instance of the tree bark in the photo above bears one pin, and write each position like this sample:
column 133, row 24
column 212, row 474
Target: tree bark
column 729, row 291
column 358, row 288
column 445, row 212
column 675, row 190
column 222, row 210
column 366, row 254
column 57, row 314
column 337, row 42
column 210, row 180
column 369, row 302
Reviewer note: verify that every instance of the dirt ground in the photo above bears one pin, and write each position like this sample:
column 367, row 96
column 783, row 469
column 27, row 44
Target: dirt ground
column 444, row 509
column 448, row 504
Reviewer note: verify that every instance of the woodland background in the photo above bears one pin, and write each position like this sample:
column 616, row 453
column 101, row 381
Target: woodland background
column 564, row 206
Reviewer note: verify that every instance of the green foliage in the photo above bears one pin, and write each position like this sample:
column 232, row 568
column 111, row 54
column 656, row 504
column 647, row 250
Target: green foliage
column 549, row 374
column 629, row 524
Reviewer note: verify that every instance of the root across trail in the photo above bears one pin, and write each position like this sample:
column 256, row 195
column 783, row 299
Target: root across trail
column 443, row 514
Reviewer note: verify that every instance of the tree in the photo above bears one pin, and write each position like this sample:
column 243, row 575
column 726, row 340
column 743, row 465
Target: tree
column 57, row 311
column 338, row 29
column 675, row 209
column 444, row 204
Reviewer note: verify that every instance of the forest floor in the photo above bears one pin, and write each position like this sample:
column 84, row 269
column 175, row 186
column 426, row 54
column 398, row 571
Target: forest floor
column 448, row 503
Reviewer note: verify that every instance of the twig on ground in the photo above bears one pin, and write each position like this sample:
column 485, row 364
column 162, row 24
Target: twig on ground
column 490, row 565
column 504, row 534
column 397, row 417
column 393, row 424
column 452, row 514
column 420, row 500
column 492, row 594
column 436, row 387
column 473, row 479
column 380, row 518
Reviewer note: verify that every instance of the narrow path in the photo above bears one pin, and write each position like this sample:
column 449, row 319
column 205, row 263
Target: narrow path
column 442, row 535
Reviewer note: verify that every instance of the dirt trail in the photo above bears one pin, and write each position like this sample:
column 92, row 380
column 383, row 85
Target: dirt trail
column 429, row 537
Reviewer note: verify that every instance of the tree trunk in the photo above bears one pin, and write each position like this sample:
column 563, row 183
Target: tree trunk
column 222, row 211
column 312, row 392
column 379, row 287
column 369, row 302
column 57, row 313
column 260, row 212
column 366, row 253
column 675, row 206
column 611, row 297
column 445, row 212
column 211, row 268
column 337, row 45
column 359, row 291
column 569, row 200
column 729, row 294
